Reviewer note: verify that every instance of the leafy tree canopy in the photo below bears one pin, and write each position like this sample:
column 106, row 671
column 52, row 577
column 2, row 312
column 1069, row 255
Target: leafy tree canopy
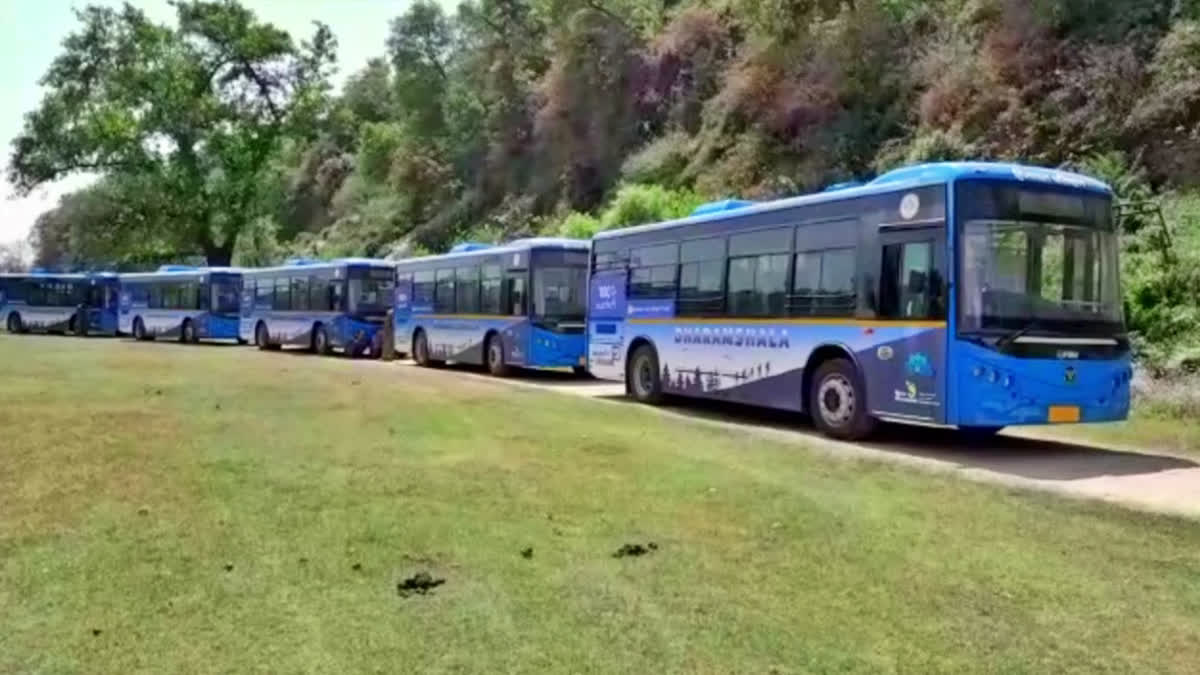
column 192, row 112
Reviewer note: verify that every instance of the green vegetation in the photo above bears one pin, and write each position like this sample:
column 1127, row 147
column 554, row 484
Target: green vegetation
column 220, row 137
column 171, row 509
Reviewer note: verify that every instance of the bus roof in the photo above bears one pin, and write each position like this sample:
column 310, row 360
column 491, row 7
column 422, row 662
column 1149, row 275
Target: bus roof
column 898, row 179
column 180, row 272
column 319, row 264
column 545, row 243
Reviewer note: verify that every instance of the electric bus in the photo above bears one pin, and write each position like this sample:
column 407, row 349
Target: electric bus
column 320, row 306
column 520, row 304
column 969, row 295
column 83, row 304
column 184, row 303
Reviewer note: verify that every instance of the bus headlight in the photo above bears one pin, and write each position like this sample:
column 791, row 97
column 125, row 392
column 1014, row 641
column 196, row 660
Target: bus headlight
column 1006, row 381
column 991, row 376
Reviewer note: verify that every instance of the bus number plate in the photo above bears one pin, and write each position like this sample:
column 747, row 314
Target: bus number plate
column 1064, row 413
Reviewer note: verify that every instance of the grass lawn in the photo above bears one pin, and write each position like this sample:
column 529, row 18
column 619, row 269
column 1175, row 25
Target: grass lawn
column 1142, row 430
column 175, row 509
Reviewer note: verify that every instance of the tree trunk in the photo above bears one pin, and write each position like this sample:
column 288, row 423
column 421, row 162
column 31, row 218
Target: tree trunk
column 219, row 255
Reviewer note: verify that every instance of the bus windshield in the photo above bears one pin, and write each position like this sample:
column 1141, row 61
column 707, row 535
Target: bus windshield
column 1045, row 261
column 371, row 290
column 225, row 296
column 558, row 293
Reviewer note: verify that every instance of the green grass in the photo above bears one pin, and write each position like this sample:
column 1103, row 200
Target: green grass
column 1142, row 431
column 133, row 475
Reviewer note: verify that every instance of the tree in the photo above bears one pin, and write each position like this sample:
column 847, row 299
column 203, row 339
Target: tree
column 14, row 256
column 193, row 114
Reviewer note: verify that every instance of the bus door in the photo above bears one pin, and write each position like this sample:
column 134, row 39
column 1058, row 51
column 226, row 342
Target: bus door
column 402, row 310
column 518, row 334
column 905, row 365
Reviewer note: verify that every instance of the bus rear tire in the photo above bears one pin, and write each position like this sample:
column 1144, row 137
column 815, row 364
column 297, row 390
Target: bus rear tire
column 320, row 341
column 838, row 401
column 642, row 376
column 261, row 339
column 421, row 352
column 187, row 334
column 493, row 356
column 14, row 324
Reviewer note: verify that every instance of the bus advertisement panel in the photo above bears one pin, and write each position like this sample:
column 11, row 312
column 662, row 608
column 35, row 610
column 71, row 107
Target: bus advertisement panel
column 839, row 303
column 520, row 304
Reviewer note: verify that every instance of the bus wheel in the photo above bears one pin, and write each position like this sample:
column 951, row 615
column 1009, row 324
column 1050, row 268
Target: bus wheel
column 581, row 371
column 188, row 333
column 139, row 330
column 642, row 378
column 838, row 401
column 493, row 354
column 261, row 340
column 421, row 349
column 14, row 323
column 320, row 341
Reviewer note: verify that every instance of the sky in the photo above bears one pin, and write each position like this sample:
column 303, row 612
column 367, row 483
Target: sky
column 31, row 32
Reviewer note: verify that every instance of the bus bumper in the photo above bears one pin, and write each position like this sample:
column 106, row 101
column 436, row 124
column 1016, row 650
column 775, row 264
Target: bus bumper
column 997, row 390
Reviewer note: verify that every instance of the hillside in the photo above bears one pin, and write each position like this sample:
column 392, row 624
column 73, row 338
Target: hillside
column 513, row 117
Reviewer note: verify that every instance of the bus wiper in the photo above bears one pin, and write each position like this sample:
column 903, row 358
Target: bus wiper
column 1012, row 337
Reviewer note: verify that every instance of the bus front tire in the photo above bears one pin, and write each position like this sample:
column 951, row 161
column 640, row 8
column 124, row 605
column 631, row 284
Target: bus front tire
column 642, row 378
column 839, row 402
column 493, row 354
column 320, row 341
column 139, row 330
column 187, row 334
column 14, row 324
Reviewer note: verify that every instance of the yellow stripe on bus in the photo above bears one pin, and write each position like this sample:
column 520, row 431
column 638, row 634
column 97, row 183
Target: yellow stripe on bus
column 857, row 323
column 468, row 316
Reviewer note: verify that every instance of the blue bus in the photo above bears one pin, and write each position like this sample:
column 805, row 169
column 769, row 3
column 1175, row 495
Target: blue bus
column 969, row 295
column 321, row 306
column 56, row 303
column 518, row 304
column 188, row 304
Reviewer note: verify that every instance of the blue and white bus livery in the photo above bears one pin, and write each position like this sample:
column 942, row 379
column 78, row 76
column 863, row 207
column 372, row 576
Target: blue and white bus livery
column 188, row 304
column 83, row 304
column 321, row 306
column 520, row 304
column 971, row 295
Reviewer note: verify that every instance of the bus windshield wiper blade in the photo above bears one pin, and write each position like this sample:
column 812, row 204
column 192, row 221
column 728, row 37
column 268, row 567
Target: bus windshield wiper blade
column 1012, row 337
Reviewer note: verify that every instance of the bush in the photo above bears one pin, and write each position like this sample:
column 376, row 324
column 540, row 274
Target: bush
column 639, row 204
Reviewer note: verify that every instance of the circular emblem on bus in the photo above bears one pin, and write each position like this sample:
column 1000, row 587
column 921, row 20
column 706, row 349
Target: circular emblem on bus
column 884, row 353
column 909, row 206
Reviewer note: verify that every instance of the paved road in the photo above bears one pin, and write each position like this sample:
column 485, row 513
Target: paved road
column 1140, row 479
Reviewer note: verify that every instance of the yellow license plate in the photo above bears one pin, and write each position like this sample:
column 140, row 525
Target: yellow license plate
column 1064, row 413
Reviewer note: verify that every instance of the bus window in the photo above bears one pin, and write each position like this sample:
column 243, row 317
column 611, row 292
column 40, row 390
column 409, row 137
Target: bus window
column 515, row 293
column 467, row 280
column 558, row 292
column 910, row 286
column 490, row 301
column 443, row 301
column 224, row 296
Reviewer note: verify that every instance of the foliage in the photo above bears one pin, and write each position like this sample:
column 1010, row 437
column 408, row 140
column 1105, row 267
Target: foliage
column 509, row 117
column 193, row 113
